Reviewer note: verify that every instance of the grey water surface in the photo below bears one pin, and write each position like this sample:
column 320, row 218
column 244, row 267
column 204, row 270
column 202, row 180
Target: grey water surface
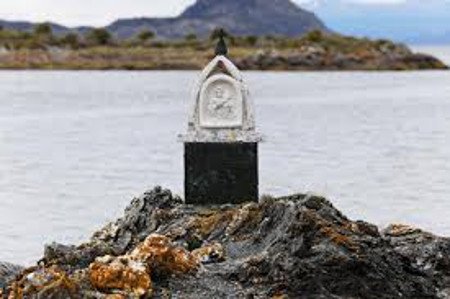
column 75, row 147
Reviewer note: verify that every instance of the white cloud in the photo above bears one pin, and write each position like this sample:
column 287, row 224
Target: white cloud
column 87, row 12
column 102, row 12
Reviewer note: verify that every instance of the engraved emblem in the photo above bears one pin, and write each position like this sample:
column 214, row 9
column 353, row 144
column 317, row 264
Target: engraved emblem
column 221, row 103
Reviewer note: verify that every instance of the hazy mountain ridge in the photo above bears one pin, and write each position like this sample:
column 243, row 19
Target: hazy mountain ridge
column 248, row 17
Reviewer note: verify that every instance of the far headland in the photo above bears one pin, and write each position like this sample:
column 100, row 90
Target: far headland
column 263, row 34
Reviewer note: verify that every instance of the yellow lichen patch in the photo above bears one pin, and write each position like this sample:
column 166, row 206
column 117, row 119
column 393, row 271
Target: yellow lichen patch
column 120, row 274
column 338, row 238
column 43, row 283
column 398, row 230
column 160, row 255
column 205, row 225
column 16, row 292
column 210, row 253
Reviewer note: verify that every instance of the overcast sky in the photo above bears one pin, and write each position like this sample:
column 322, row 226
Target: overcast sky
column 101, row 12
column 87, row 12
column 403, row 20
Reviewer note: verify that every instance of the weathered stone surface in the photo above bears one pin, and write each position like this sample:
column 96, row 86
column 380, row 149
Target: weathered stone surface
column 7, row 272
column 41, row 282
column 212, row 253
column 291, row 247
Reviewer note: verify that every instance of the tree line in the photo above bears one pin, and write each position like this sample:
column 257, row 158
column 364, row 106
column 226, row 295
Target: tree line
column 43, row 36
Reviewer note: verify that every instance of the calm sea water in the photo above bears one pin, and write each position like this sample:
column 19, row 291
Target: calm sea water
column 75, row 147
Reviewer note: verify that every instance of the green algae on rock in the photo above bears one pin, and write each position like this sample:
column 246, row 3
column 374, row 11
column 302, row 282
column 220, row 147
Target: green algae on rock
column 298, row 246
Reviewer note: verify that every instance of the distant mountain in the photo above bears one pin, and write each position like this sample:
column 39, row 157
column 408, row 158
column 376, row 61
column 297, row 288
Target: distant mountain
column 28, row 26
column 239, row 17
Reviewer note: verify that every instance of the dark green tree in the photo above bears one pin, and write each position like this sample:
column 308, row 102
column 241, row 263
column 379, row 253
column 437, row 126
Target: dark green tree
column 314, row 36
column 99, row 36
column 217, row 33
column 146, row 35
column 71, row 39
column 251, row 40
column 191, row 37
column 43, row 29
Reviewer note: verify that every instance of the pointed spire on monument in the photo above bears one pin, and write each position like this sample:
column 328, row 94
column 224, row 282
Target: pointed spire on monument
column 221, row 48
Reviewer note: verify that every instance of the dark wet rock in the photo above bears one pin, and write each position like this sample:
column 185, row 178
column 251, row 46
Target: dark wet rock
column 7, row 272
column 298, row 246
column 142, row 217
column 423, row 250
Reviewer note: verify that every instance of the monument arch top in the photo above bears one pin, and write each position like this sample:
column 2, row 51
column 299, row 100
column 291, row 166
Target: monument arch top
column 222, row 109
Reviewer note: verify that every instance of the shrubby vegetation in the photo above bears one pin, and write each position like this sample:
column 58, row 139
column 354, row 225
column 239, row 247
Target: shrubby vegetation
column 43, row 37
column 99, row 49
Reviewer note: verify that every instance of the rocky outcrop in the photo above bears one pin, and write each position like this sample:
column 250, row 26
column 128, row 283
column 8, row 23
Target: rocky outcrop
column 319, row 58
column 291, row 247
column 7, row 272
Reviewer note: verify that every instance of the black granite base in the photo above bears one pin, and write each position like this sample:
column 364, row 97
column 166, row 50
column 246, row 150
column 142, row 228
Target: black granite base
column 218, row 173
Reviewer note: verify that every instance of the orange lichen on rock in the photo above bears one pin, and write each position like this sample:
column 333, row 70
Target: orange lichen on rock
column 44, row 283
column 132, row 273
column 16, row 292
column 160, row 255
column 338, row 238
column 204, row 225
column 122, row 273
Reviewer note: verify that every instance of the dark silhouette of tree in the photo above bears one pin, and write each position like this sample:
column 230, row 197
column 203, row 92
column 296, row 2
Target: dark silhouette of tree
column 43, row 29
column 146, row 35
column 251, row 40
column 191, row 37
column 72, row 40
column 314, row 36
column 99, row 36
column 217, row 33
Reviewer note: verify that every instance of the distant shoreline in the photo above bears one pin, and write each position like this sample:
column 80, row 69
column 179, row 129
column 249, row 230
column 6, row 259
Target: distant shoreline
column 315, row 51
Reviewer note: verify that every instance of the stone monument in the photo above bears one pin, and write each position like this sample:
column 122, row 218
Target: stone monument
column 221, row 145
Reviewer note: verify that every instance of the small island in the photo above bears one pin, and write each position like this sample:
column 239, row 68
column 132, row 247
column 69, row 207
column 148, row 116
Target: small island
column 298, row 246
column 98, row 49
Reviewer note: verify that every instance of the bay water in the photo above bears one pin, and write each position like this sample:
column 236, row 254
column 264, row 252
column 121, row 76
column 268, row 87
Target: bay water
column 75, row 147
